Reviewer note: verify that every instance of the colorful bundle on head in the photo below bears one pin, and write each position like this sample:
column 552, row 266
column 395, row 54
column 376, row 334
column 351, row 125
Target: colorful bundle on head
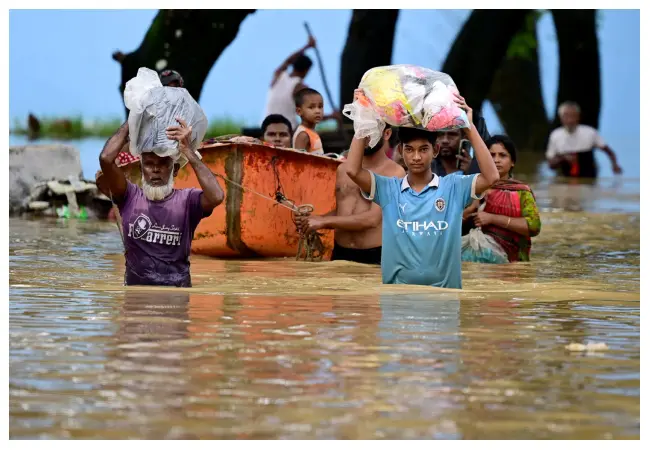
column 384, row 90
column 405, row 96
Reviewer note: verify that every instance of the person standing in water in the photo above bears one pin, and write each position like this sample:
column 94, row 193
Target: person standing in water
column 571, row 147
column 158, row 221
column 508, row 212
column 422, row 212
column 356, row 221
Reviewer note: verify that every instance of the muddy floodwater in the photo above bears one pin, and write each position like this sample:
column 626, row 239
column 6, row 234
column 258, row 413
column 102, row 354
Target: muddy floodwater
column 282, row 349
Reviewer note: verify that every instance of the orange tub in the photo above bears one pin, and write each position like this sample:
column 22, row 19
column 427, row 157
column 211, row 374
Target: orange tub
column 247, row 225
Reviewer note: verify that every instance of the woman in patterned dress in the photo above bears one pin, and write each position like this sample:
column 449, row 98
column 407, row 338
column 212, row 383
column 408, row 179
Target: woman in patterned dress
column 508, row 214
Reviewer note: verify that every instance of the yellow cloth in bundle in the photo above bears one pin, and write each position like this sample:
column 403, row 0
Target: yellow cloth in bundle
column 384, row 88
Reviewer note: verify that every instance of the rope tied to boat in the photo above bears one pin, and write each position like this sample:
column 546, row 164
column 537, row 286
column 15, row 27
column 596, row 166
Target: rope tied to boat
column 310, row 245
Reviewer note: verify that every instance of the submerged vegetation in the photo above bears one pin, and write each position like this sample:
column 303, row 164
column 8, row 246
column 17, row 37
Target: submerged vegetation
column 78, row 127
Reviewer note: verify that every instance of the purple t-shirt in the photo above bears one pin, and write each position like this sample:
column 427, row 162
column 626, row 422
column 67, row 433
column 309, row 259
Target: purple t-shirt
column 158, row 236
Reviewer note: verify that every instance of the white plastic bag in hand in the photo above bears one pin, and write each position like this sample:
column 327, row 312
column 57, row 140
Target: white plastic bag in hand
column 367, row 122
column 480, row 247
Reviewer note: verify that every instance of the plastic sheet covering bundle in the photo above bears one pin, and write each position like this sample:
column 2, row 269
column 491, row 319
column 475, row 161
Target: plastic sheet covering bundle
column 153, row 108
column 405, row 96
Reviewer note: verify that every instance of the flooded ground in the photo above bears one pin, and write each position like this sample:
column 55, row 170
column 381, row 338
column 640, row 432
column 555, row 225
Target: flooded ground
column 280, row 349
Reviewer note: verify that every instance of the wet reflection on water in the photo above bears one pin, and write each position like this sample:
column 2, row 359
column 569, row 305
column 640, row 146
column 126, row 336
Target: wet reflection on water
column 279, row 349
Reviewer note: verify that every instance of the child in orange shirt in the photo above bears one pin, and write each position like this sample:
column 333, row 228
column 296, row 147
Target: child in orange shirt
column 309, row 106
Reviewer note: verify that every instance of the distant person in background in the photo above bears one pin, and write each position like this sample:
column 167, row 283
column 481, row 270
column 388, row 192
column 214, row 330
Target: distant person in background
column 449, row 160
column 449, row 143
column 309, row 106
column 285, row 85
column 276, row 130
column 571, row 148
column 33, row 127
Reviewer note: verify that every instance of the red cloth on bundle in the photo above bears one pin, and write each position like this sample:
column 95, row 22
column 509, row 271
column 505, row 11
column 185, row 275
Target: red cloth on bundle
column 124, row 158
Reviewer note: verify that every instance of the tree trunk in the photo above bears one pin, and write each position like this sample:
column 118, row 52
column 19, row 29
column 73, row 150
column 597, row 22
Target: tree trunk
column 579, row 78
column 190, row 41
column 478, row 50
column 369, row 44
column 516, row 92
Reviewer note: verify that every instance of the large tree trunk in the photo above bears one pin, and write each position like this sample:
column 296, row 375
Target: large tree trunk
column 369, row 44
column 478, row 50
column 516, row 92
column 190, row 41
column 579, row 77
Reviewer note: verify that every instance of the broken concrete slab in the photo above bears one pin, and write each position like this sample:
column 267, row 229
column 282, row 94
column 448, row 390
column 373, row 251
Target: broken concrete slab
column 31, row 164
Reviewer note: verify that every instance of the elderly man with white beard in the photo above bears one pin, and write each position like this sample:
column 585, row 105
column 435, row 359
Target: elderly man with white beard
column 158, row 220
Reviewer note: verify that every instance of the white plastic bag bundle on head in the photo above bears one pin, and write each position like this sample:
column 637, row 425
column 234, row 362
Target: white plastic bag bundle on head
column 153, row 108
column 405, row 96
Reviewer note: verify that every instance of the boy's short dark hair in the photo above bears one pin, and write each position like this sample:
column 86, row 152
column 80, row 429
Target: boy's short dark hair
column 406, row 135
column 302, row 63
column 275, row 118
column 299, row 97
column 507, row 143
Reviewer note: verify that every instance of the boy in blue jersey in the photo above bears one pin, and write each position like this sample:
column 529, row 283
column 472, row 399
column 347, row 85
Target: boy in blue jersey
column 422, row 212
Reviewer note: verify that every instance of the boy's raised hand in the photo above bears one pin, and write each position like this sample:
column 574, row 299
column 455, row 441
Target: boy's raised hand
column 460, row 101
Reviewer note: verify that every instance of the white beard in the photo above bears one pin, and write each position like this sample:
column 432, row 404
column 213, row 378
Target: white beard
column 157, row 193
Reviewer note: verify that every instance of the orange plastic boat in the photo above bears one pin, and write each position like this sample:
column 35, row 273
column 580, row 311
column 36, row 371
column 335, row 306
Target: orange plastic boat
column 247, row 225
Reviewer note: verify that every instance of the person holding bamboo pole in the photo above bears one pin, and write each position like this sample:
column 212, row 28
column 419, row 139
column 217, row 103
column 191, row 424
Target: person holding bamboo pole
column 285, row 85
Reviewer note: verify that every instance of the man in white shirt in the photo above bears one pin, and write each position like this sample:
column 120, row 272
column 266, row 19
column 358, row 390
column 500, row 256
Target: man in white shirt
column 571, row 147
column 285, row 85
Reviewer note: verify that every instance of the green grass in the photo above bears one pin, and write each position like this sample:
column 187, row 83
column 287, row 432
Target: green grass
column 223, row 126
column 329, row 125
column 70, row 128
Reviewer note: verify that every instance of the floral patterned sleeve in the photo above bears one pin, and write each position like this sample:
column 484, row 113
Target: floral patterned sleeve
column 530, row 213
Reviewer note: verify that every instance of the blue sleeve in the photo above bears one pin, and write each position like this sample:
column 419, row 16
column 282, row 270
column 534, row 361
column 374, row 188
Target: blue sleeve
column 465, row 188
column 381, row 189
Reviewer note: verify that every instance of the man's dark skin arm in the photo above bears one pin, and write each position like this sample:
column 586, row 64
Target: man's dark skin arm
column 612, row 157
column 113, row 176
column 212, row 192
column 556, row 161
column 357, row 222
